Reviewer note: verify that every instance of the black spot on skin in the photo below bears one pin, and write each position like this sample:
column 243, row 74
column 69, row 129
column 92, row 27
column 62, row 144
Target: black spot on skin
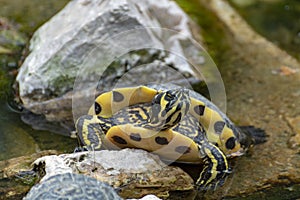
column 219, row 127
column 199, row 109
column 230, row 143
column 97, row 108
column 183, row 149
column 119, row 140
column 136, row 137
column 161, row 140
column 117, row 96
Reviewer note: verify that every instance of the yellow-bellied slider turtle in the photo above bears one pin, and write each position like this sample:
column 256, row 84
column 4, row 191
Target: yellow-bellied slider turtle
column 72, row 186
column 177, row 124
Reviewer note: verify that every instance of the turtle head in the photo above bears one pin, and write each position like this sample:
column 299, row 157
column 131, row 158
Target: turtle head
column 168, row 108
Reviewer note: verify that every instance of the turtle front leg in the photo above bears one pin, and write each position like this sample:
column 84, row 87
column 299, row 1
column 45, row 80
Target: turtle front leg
column 215, row 168
column 89, row 132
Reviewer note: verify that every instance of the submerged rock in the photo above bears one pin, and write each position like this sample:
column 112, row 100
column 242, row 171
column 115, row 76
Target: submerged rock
column 84, row 38
column 135, row 173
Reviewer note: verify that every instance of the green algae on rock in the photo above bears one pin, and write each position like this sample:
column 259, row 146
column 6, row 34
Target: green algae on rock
column 11, row 40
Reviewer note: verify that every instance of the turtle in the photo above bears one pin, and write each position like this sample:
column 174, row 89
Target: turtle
column 71, row 186
column 176, row 123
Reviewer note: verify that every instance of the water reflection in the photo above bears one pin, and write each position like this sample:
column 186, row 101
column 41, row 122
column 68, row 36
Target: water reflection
column 276, row 20
column 17, row 139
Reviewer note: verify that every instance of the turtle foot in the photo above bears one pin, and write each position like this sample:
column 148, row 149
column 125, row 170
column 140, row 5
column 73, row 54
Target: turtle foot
column 205, row 183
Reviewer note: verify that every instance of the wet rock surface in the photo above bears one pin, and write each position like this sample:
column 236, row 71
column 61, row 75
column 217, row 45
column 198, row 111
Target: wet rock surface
column 134, row 173
column 16, row 176
column 259, row 97
column 294, row 123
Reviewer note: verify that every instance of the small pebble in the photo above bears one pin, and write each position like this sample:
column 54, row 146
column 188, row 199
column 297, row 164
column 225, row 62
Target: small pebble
column 294, row 141
column 271, row 112
column 148, row 197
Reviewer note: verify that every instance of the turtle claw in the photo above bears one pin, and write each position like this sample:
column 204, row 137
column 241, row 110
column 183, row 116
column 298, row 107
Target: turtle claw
column 218, row 181
column 81, row 149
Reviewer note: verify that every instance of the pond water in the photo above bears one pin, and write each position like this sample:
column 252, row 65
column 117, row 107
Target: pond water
column 277, row 20
column 18, row 139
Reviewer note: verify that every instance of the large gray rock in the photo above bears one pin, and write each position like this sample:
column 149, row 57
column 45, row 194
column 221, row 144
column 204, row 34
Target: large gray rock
column 135, row 172
column 85, row 37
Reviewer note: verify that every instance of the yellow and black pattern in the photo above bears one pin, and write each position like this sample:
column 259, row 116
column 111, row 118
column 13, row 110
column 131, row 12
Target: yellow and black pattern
column 169, row 123
column 108, row 103
column 219, row 128
column 215, row 168
column 171, row 144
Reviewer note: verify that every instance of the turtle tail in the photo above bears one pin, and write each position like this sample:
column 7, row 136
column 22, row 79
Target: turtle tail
column 254, row 135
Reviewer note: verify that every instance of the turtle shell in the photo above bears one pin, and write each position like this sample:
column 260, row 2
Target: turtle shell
column 71, row 186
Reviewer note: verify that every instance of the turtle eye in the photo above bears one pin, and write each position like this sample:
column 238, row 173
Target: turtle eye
column 170, row 99
column 169, row 96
